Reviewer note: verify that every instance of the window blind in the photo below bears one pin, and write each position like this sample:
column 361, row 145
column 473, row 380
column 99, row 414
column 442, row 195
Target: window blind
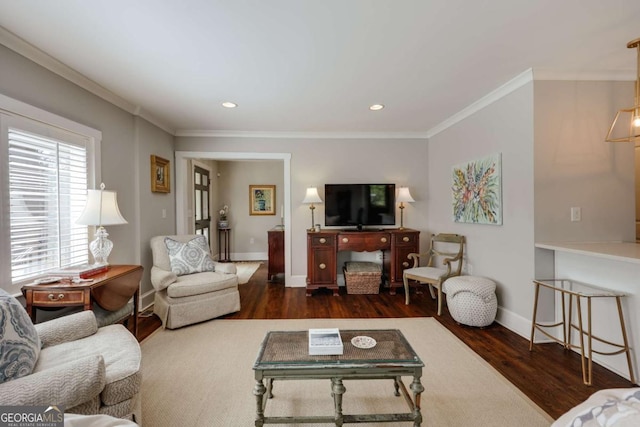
column 47, row 192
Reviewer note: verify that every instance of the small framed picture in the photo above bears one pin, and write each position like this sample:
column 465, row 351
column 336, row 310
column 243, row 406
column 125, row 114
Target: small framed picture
column 262, row 199
column 160, row 175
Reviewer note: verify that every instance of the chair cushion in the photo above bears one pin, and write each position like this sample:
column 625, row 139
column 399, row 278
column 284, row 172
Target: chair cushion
column 120, row 351
column 189, row 257
column 428, row 273
column 201, row 283
column 19, row 341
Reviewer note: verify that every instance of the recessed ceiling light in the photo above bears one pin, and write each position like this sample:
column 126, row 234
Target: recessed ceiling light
column 228, row 104
column 376, row 107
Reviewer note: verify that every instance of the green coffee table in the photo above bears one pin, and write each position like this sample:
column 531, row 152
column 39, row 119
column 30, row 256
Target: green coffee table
column 284, row 355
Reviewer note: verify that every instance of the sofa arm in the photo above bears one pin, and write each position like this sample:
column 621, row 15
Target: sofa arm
column 161, row 279
column 68, row 384
column 226, row 267
column 67, row 328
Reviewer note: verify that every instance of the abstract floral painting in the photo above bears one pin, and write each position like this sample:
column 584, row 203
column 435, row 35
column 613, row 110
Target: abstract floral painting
column 477, row 191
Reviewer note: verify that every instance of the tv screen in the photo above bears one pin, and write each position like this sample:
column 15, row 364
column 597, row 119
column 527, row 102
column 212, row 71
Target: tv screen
column 348, row 205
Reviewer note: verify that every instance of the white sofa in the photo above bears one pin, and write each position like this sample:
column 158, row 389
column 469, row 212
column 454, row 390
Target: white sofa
column 191, row 298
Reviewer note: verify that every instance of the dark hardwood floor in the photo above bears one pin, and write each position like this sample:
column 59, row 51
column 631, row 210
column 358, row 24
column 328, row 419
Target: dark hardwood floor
column 549, row 375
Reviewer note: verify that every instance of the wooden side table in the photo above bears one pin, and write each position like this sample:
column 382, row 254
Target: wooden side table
column 112, row 290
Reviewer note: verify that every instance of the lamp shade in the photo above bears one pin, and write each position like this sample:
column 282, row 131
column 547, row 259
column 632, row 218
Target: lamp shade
column 404, row 196
column 101, row 209
column 312, row 196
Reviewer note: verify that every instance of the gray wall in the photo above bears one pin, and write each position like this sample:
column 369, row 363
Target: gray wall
column 233, row 191
column 575, row 167
column 127, row 142
column 315, row 162
column 503, row 253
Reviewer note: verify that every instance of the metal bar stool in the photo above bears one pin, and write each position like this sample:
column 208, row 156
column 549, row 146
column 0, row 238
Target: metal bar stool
column 565, row 287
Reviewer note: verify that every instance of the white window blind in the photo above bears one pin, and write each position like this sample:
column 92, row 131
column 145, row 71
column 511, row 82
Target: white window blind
column 47, row 193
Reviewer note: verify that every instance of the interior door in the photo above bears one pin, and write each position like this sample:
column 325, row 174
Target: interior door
column 201, row 202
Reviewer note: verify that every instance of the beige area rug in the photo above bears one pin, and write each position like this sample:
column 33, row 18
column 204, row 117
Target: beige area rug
column 202, row 375
column 246, row 270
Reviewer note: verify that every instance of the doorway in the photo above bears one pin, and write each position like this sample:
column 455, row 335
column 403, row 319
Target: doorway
column 202, row 218
column 183, row 175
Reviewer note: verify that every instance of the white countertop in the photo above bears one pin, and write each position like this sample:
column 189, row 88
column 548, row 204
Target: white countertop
column 618, row 251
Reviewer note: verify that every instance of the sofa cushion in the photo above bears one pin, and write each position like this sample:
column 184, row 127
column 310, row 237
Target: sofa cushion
column 201, row 283
column 19, row 341
column 189, row 257
column 122, row 361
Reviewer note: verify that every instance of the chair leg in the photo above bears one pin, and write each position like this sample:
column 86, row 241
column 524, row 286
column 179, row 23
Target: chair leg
column 406, row 289
column 439, row 299
column 433, row 295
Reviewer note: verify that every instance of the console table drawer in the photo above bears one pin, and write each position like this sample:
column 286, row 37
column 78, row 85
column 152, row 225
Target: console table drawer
column 56, row 297
column 322, row 240
column 364, row 242
column 406, row 239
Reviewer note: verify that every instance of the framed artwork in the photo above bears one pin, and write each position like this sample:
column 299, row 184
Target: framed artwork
column 262, row 199
column 160, row 175
column 477, row 191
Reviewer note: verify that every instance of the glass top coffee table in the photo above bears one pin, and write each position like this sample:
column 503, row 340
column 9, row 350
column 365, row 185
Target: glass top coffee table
column 284, row 355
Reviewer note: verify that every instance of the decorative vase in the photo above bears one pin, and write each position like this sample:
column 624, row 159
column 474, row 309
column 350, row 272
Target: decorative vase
column 223, row 224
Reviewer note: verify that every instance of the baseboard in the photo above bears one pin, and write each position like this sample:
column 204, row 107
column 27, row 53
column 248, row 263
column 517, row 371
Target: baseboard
column 249, row 256
column 515, row 323
column 146, row 300
column 297, row 282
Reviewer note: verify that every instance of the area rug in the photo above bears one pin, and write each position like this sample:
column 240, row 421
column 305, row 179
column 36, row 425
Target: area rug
column 202, row 375
column 246, row 270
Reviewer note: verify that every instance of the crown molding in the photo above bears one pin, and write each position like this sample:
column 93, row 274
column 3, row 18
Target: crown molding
column 299, row 135
column 602, row 75
column 29, row 51
column 493, row 96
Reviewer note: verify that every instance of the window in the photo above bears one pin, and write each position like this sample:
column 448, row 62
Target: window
column 47, row 171
column 47, row 193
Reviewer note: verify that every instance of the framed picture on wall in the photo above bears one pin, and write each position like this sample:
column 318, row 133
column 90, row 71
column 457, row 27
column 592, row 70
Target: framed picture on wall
column 160, row 175
column 262, row 199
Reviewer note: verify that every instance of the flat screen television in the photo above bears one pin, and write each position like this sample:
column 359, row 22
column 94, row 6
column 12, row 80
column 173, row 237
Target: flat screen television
column 359, row 205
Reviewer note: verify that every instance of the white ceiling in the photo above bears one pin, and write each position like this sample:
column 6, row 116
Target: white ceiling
column 316, row 66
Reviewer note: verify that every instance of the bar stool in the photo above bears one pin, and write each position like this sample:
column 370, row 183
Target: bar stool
column 565, row 287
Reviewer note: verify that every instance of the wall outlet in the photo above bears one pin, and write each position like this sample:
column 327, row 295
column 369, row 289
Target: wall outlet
column 379, row 255
column 576, row 214
column 164, row 213
column 252, row 241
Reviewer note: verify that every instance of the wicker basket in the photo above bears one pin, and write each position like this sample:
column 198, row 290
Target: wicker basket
column 362, row 277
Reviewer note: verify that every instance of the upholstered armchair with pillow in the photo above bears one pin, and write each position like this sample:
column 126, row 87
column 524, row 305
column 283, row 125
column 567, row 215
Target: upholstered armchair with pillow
column 68, row 362
column 190, row 286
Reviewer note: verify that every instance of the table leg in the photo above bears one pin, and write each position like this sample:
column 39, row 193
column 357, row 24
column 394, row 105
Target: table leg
column 535, row 311
column 258, row 392
column 337, row 390
column 417, row 388
column 396, row 385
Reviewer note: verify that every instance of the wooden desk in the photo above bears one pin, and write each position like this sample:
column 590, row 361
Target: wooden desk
column 112, row 290
column 322, row 248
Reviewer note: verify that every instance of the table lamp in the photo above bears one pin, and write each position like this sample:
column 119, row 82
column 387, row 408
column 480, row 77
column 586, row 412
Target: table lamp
column 312, row 197
column 101, row 209
column 403, row 197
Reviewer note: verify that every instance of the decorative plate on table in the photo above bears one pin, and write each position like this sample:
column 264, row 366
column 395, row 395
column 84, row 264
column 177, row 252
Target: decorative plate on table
column 363, row 342
column 45, row 280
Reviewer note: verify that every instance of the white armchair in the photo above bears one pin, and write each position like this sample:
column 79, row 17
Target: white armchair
column 185, row 299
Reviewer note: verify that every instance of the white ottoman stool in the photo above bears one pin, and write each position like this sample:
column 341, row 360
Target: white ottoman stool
column 471, row 300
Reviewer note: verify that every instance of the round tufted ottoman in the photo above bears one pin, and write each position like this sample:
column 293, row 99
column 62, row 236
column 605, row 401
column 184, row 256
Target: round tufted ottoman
column 471, row 300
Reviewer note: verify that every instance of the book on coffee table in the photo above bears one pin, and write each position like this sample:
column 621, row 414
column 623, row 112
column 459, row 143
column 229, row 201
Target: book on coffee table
column 325, row 342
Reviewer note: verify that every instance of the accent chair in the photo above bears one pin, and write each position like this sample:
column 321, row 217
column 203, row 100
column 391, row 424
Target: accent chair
column 190, row 287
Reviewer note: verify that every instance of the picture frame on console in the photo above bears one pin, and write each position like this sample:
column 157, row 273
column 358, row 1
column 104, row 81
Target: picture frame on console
column 262, row 199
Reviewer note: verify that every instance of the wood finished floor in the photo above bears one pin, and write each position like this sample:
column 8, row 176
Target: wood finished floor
column 549, row 375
